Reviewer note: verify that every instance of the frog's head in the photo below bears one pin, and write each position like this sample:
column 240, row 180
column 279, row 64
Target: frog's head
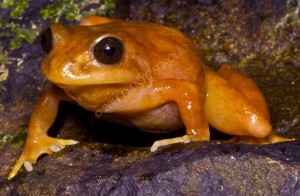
column 84, row 55
column 110, row 52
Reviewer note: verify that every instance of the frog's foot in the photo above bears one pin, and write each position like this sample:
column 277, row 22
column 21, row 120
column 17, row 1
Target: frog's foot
column 33, row 149
column 273, row 138
column 270, row 139
column 248, row 140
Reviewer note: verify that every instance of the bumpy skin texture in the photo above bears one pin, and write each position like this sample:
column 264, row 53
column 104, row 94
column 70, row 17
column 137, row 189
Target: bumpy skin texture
column 159, row 84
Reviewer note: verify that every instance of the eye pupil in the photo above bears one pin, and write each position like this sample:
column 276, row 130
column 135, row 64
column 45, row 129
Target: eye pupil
column 46, row 40
column 109, row 50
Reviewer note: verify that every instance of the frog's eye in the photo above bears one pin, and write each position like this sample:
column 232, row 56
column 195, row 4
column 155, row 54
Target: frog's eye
column 46, row 40
column 109, row 50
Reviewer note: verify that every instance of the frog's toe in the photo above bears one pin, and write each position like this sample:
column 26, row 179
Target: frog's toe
column 17, row 166
column 28, row 166
column 32, row 151
column 273, row 138
column 56, row 145
column 165, row 142
column 23, row 160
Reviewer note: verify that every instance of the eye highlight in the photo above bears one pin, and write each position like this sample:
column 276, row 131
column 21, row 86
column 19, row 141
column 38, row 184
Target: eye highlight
column 109, row 50
column 46, row 40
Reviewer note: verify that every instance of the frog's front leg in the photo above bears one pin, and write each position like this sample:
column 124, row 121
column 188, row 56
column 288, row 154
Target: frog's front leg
column 185, row 94
column 37, row 141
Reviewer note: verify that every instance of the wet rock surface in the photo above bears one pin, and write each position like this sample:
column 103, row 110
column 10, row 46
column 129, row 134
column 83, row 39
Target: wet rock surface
column 248, row 35
column 197, row 168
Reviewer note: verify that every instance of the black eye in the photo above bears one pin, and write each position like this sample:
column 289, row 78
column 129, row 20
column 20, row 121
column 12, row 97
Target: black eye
column 109, row 50
column 46, row 40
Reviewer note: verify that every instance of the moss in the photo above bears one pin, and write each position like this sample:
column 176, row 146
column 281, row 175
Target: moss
column 73, row 10
column 20, row 138
column 15, row 141
column 18, row 7
column 18, row 32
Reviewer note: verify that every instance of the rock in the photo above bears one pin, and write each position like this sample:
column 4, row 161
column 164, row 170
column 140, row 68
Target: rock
column 206, row 168
column 249, row 35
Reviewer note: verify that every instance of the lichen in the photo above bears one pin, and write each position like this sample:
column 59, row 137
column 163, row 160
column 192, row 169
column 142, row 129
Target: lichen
column 5, row 138
column 3, row 73
column 291, row 18
column 4, row 60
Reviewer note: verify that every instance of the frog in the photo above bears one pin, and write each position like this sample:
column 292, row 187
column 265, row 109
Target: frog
column 143, row 75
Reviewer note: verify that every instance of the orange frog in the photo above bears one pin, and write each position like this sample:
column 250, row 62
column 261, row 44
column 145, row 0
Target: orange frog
column 143, row 75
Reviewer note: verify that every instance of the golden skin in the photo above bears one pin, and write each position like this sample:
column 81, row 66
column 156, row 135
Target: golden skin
column 159, row 84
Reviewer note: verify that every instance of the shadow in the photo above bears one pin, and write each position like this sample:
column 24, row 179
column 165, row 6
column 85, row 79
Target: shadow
column 77, row 123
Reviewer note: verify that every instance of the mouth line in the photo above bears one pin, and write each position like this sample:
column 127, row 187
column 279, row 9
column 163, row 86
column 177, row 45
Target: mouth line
column 78, row 86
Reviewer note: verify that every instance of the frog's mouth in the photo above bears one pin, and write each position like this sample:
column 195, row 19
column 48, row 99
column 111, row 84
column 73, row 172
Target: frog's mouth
column 75, row 75
column 111, row 85
column 69, row 82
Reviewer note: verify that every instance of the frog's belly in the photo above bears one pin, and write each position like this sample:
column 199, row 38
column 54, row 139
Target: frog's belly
column 165, row 118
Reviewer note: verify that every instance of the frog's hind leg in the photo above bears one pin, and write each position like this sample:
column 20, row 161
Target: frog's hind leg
column 251, row 92
column 229, row 111
column 37, row 141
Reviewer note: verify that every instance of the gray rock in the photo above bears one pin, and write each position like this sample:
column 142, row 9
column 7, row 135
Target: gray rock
column 249, row 35
column 205, row 168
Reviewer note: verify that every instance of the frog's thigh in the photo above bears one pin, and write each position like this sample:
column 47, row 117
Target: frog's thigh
column 252, row 93
column 230, row 111
column 247, row 87
column 184, row 93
